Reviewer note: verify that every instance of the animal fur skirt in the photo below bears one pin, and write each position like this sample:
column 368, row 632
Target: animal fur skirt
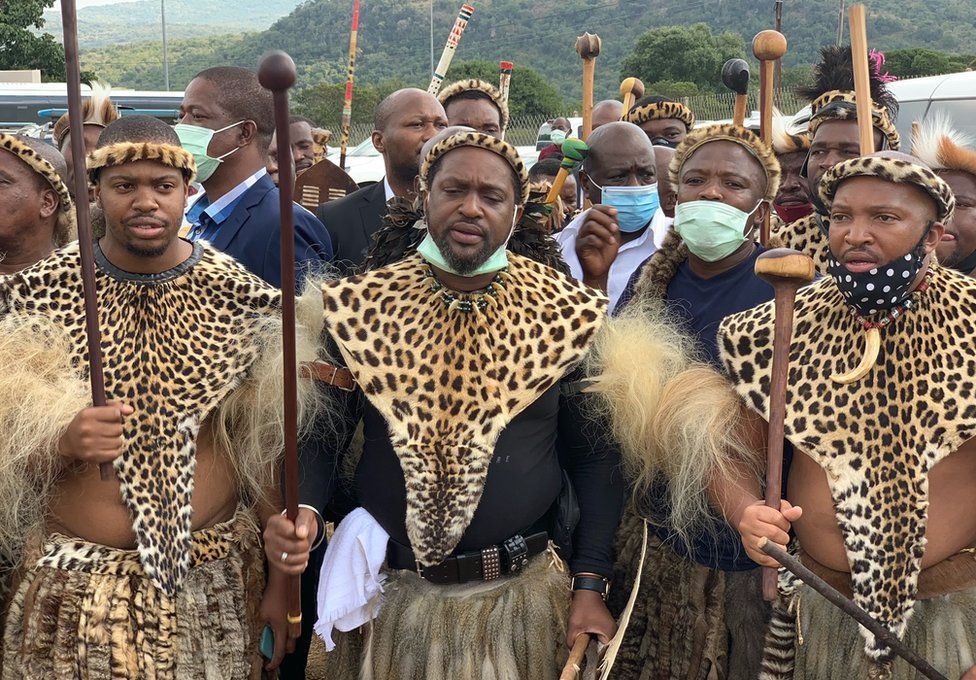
column 689, row 622
column 810, row 638
column 512, row 628
column 87, row 611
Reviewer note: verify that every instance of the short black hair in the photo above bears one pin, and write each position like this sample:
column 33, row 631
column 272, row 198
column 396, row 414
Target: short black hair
column 241, row 95
column 548, row 167
column 474, row 95
column 300, row 119
column 137, row 129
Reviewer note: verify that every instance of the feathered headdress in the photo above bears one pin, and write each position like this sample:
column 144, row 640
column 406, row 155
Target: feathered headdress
column 785, row 138
column 943, row 147
column 832, row 92
column 98, row 109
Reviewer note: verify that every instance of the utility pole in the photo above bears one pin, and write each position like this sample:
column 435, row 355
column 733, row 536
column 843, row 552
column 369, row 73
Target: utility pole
column 431, row 38
column 840, row 23
column 162, row 11
column 778, row 78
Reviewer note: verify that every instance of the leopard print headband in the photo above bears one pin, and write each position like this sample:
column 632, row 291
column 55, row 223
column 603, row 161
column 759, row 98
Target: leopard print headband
column 130, row 152
column 67, row 225
column 448, row 93
column 477, row 140
column 891, row 170
column 841, row 105
column 730, row 133
column 661, row 111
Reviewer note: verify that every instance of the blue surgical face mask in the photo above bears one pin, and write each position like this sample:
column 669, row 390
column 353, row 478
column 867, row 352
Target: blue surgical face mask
column 712, row 230
column 635, row 205
column 497, row 261
column 196, row 140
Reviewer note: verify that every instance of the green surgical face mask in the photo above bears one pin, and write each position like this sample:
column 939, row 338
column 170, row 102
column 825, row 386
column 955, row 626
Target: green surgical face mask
column 497, row 261
column 196, row 140
column 712, row 230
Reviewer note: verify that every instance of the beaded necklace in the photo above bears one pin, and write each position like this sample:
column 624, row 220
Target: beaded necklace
column 898, row 310
column 468, row 302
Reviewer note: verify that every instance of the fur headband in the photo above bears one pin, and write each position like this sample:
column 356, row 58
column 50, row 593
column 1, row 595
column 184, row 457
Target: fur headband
column 478, row 140
column 893, row 170
column 942, row 147
column 66, row 227
column 661, row 111
column 450, row 92
column 97, row 109
column 842, row 105
column 130, row 152
column 785, row 141
column 729, row 133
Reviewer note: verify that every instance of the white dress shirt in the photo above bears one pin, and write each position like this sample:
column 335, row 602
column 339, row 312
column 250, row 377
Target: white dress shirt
column 630, row 256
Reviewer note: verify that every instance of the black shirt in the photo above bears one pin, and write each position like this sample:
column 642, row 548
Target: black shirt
column 524, row 477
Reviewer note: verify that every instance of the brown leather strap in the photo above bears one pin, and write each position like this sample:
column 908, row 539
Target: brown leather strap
column 329, row 374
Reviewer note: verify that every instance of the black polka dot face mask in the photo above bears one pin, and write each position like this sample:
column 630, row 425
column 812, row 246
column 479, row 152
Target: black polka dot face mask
column 882, row 288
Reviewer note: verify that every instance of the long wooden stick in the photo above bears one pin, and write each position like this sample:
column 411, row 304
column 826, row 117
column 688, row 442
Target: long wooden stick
column 785, row 270
column 850, row 608
column 588, row 47
column 572, row 668
column 862, row 80
column 350, row 72
column 768, row 47
column 447, row 56
column 86, row 251
column 505, row 69
column 277, row 73
column 631, row 89
column 735, row 76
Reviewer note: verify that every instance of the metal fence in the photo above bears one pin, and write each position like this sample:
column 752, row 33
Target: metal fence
column 523, row 129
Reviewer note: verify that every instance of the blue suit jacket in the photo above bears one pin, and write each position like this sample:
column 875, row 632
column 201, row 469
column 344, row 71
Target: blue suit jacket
column 252, row 235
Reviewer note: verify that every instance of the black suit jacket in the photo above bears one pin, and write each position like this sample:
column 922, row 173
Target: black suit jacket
column 351, row 222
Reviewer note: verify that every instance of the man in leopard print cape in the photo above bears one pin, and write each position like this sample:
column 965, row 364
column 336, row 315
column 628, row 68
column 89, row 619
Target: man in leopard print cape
column 159, row 572
column 464, row 357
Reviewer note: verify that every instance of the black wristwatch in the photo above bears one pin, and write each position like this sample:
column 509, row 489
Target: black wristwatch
column 597, row 584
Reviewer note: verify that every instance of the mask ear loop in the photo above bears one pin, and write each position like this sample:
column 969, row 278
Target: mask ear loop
column 750, row 235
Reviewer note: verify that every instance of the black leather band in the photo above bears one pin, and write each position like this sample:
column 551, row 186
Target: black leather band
column 483, row 565
column 594, row 583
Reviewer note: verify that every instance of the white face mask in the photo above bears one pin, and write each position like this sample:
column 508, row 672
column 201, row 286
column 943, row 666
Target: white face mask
column 497, row 261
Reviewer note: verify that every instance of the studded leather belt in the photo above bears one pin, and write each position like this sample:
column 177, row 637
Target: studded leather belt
column 487, row 564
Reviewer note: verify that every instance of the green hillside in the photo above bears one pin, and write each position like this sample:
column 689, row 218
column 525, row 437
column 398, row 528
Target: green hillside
column 130, row 22
column 394, row 37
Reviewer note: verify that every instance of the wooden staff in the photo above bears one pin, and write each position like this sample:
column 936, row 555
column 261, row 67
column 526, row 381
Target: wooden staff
column 505, row 69
column 850, row 608
column 86, row 251
column 574, row 151
column 631, row 89
column 735, row 76
column 785, row 270
column 862, row 79
column 277, row 73
column 768, row 47
column 461, row 23
column 588, row 47
column 350, row 72
column 576, row 655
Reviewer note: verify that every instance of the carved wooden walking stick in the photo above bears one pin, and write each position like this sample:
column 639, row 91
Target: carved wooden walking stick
column 350, row 73
column 588, row 47
column 735, row 76
column 786, row 271
column 86, row 251
column 850, row 608
column 768, row 47
column 277, row 73
column 505, row 69
column 461, row 23
column 631, row 89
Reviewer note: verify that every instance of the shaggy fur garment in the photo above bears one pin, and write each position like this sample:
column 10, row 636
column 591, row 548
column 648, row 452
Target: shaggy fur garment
column 83, row 610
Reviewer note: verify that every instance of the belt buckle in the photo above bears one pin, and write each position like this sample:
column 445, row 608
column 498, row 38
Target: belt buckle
column 491, row 563
column 517, row 551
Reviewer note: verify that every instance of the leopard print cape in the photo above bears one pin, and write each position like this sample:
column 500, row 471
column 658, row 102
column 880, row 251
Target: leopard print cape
column 447, row 382
column 877, row 439
column 174, row 345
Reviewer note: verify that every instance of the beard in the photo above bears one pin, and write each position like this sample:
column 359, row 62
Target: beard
column 463, row 264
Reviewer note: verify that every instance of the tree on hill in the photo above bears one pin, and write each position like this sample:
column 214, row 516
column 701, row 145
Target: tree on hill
column 20, row 48
column 323, row 103
column 530, row 93
column 919, row 61
column 674, row 56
